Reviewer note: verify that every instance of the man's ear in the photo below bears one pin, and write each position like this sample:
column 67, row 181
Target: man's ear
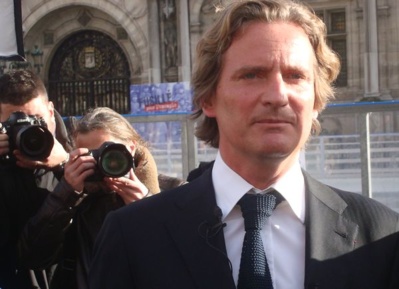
column 208, row 107
column 51, row 108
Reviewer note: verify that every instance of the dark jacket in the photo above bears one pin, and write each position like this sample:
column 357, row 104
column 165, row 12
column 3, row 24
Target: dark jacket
column 64, row 230
column 22, row 192
column 20, row 198
column 352, row 242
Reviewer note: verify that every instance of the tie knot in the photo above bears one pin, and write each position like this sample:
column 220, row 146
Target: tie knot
column 256, row 208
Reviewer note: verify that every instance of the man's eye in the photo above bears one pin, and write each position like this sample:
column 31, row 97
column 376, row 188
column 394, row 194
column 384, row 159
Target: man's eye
column 296, row 76
column 249, row 75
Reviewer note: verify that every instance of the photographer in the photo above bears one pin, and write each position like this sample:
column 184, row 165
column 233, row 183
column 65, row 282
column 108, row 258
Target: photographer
column 25, row 181
column 67, row 224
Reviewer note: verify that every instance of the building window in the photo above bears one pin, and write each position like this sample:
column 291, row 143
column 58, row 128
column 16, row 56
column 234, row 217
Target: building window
column 335, row 21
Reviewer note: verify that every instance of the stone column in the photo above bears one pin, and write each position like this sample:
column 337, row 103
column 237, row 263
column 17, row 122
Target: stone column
column 185, row 69
column 371, row 65
column 154, row 43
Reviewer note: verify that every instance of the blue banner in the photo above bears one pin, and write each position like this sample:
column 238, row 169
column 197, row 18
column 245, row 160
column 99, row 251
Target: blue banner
column 162, row 98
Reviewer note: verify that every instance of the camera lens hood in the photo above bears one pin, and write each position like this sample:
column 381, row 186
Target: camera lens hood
column 34, row 141
column 115, row 160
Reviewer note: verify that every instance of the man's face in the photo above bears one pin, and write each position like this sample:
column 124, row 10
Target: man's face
column 37, row 106
column 264, row 100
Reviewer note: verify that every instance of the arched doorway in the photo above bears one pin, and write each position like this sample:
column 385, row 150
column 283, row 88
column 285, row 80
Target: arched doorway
column 88, row 70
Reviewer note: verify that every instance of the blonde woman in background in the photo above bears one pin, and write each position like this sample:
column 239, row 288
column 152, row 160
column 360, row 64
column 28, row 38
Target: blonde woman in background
column 64, row 229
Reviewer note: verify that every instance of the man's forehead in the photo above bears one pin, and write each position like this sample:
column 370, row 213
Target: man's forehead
column 36, row 106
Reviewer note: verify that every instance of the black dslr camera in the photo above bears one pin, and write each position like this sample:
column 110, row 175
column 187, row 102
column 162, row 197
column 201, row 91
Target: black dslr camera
column 113, row 160
column 29, row 134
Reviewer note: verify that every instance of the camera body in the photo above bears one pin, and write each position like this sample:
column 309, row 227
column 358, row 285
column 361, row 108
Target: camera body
column 113, row 160
column 29, row 134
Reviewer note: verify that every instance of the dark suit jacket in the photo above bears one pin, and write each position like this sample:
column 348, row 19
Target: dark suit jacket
column 172, row 240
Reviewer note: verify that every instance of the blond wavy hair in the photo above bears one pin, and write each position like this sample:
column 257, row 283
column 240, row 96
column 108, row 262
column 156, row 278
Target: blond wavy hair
column 216, row 41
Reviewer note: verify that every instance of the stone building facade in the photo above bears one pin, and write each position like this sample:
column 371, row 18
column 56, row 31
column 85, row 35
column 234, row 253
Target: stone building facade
column 87, row 49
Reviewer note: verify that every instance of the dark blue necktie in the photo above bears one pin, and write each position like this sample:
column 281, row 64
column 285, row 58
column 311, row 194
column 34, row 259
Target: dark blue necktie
column 254, row 271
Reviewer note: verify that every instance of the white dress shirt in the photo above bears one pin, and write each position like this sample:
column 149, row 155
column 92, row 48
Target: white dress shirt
column 284, row 232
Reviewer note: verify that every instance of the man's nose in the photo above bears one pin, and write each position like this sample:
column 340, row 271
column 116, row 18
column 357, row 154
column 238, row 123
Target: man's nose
column 276, row 91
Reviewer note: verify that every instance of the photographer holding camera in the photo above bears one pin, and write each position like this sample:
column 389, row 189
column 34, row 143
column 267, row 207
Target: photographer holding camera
column 33, row 144
column 111, row 167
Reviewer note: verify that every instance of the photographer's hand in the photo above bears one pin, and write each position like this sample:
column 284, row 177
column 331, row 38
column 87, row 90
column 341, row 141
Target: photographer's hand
column 130, row 189
column 78, row 168
column 57, row 156
column 4, row 144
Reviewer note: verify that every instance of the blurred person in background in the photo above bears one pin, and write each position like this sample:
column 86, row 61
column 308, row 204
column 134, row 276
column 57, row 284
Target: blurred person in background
column 65, row 228
column 25, row 181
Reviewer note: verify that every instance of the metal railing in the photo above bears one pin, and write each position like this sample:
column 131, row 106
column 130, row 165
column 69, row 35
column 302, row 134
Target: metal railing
column 327, row 156
column 362, row 162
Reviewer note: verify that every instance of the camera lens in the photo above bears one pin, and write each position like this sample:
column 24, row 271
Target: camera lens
column 35, row 142
column 115, row 162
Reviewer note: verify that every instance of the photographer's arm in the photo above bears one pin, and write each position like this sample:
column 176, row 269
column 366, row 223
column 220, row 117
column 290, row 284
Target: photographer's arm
column 41, row 241
column 57, row 156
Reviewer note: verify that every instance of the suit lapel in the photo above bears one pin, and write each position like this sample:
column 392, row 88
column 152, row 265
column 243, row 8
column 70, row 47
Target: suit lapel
column 328, row 234
column 201, row 246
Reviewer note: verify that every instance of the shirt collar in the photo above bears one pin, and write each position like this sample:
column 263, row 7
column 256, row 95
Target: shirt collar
column 230, row 187
column 292, row 187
